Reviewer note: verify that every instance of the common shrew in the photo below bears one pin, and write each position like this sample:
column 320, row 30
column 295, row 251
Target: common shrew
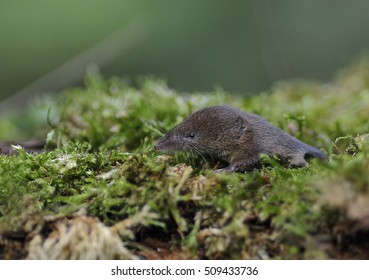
column 237, row 138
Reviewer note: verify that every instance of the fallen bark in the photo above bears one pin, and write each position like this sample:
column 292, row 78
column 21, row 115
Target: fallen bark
column 32, row 146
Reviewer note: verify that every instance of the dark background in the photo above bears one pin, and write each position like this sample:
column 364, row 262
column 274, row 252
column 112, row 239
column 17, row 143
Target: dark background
column 242, row 46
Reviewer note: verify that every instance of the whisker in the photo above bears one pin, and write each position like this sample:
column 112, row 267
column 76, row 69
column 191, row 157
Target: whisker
column 198, row 152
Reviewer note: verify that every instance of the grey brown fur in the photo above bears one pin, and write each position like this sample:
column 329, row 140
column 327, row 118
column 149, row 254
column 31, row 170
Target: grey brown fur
column 238, row 138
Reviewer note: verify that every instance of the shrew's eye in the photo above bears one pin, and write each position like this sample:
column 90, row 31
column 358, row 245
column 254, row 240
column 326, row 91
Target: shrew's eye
column 191, row 135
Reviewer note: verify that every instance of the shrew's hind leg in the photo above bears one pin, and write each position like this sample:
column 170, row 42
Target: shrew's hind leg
column 298, row 160
column 242, row 164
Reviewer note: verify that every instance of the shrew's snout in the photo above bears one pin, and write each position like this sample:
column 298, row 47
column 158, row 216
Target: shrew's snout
column 158, row 145
column 169, row 143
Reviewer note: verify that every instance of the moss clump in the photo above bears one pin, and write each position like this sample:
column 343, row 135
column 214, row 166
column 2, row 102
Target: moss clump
column 105, row 173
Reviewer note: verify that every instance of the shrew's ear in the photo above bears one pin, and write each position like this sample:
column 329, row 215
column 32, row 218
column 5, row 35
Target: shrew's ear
column 240, row 127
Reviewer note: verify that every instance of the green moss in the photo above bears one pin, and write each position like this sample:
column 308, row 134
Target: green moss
column 104, row 165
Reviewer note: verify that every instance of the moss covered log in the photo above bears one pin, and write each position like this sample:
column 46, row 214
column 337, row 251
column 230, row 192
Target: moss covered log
column 104, row 186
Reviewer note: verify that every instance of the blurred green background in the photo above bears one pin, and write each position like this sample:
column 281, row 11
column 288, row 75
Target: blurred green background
column 243, row 46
